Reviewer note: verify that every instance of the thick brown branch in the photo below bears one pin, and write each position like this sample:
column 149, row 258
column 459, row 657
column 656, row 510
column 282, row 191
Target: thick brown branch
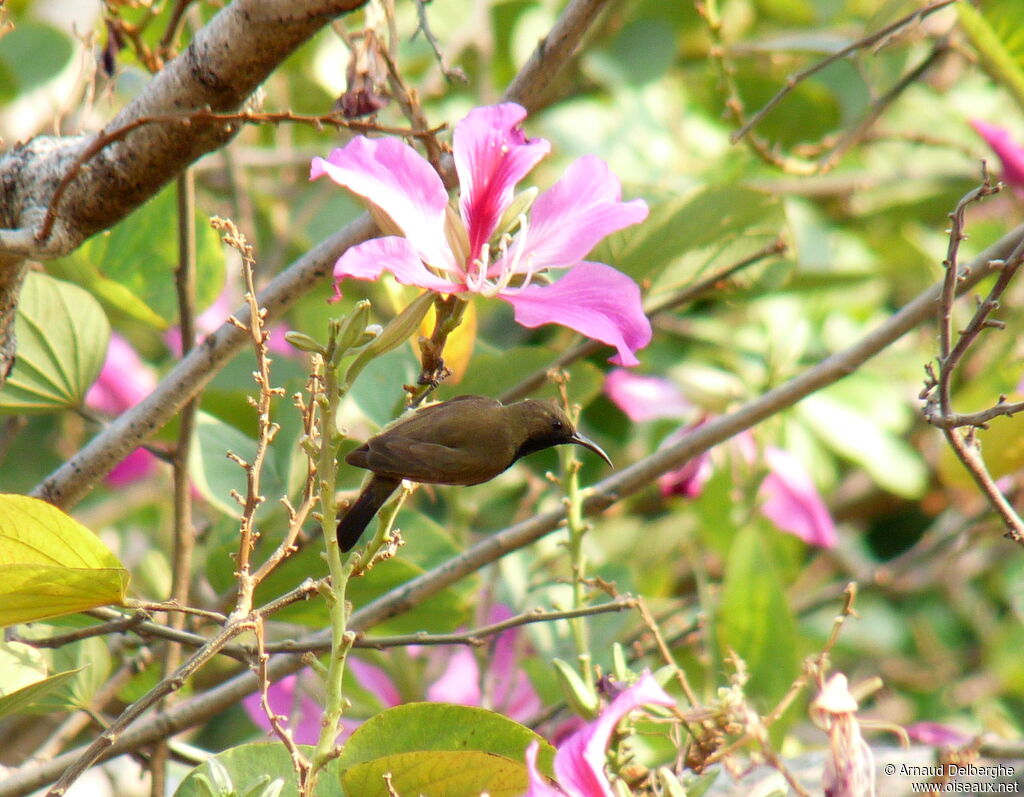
column 221, row 69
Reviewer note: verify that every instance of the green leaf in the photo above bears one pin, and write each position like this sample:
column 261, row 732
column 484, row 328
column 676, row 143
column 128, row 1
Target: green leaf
column 23, row 678
column 50, row 564
column 448, row 773
column 89, row 663
column 891, row 462
column 215, row 476
column 754, row 617
column 437, row 727
column 31, row 54
column 492, row 372
column 378, row 390
column 997, row 35
column 131, row 267
column 249, row 765
column 687, row 237
column 62, row 343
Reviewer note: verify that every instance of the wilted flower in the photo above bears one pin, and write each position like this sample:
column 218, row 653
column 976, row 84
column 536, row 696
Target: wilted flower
column 494, row 244
column 579, row 761
column 850, row 767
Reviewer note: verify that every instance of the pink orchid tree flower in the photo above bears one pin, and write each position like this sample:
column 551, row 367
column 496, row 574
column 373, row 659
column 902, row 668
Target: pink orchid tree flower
column 494, row 244
column 214, row 316
column 502, row 687
column 788, row 496
column 123, row 382
column 287, row 701
column 646, row 398
column 1010, row 153
column 790, row 500
column 579, row 760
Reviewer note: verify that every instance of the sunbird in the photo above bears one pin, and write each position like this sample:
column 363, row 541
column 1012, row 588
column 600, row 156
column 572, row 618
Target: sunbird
column 466, row 440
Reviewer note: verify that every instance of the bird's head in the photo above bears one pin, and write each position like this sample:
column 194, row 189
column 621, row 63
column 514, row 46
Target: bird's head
column 545, row 424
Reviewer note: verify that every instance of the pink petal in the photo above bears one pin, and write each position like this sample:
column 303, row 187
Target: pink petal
column 689, row 480
column 595, row 300
column 136, row 466
column 392, row 176
column 792, row 502
column 938, row 735
column 375, row 681
column 370, row 259
column 571, row 217
column 491, row 155
column 644, row 398
column 511, row 691
column 539, row 786
column 124, row 379
column 281, row 696
column 579, row 762
column 1009, row 151
column 460, row 682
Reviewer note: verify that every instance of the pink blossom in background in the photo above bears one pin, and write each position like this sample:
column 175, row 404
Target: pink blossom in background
column 1010, row 153
column 792, row 502
column 580, row 759
column 302, row 717
column 123, row 382
column 213, row 317
column 689, row 480
column 788, row 496
column 124, row 379
column 645, row 398
column 454, row 252
column 502, row 687
column 937, row 734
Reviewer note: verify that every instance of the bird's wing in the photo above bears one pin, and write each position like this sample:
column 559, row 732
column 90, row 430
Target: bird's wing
column 431, row 463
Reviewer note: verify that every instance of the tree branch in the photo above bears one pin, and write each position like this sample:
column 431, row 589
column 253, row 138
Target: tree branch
column 602, row 495
column 76, row 478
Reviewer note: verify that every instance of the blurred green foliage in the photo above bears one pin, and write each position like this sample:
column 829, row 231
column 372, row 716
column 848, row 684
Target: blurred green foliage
column 940, row 609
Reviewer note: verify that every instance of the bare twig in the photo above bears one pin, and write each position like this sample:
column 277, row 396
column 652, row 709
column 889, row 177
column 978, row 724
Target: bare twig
column 937, row 392
column 107, row 137
column 75, row 478
column 879, row 36
column 451, row 74
column 478, row 636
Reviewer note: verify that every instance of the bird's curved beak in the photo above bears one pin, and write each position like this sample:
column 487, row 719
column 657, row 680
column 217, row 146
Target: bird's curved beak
column 586, row 442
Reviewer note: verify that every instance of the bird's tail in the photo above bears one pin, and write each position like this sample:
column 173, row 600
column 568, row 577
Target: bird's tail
column 352, row 524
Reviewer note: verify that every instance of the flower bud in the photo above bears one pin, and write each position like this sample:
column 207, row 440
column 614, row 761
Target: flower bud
column 581, row 698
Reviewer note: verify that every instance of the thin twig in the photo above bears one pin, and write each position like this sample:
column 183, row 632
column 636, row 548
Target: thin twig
column 867, row 41
column 105, row 138
column 200, row 708
column 478, row 636
column 451, row 74
column 937, row 392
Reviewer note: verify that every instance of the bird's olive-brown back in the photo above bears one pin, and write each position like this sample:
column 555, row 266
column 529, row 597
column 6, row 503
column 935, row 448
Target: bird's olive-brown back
column 463, row 441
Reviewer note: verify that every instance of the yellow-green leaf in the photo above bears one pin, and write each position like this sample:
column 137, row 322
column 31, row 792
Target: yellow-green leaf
column 462, row 773
column 996, row 35
column 50, row 564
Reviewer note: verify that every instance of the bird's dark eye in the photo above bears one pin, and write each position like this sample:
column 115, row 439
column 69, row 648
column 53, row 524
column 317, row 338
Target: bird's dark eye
column 556, row 424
